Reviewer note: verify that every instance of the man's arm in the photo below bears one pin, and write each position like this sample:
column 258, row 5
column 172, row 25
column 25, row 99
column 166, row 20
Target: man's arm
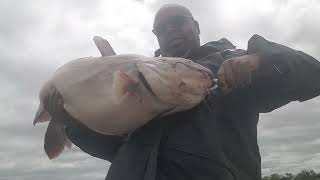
column 283, row 75
column 273, row 74
column 95, row 144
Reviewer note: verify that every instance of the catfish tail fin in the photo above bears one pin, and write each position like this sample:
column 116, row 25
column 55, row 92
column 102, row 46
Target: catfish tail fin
column 42, row 115
column 55, row 139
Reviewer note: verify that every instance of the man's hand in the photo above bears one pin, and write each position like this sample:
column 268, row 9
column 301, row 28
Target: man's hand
column 53, row 103
column 237, row 72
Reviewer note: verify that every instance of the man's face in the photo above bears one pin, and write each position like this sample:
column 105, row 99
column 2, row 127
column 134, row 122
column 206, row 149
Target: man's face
column 177, row 32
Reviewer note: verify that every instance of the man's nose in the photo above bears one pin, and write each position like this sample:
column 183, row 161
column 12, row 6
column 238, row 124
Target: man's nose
column 171, row 28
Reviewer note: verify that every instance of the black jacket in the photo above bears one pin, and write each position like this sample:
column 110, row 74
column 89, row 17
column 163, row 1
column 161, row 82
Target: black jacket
column 216, row 140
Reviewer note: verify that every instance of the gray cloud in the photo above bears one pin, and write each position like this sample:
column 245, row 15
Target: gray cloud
column 289, row 138
column 37, row 37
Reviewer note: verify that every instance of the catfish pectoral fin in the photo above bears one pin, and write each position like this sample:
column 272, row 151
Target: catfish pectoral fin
column 122, row 84
column 42, row 115
column 55, row 139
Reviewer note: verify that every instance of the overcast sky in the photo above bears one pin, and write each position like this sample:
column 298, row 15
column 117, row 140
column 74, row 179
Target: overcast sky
column 36, row 37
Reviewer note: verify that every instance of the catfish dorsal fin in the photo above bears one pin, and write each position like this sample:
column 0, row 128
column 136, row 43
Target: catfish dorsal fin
column 103, row 46
column 121, row 85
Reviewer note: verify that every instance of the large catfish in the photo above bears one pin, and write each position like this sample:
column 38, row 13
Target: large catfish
column 114, row 95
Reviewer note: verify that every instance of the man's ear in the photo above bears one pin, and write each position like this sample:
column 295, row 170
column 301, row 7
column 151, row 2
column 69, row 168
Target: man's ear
column 197, row 26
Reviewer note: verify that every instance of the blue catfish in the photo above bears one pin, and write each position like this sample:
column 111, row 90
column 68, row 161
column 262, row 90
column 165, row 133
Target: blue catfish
column 114, row 95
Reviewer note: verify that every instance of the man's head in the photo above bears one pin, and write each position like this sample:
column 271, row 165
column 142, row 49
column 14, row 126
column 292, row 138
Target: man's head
column 176, row 30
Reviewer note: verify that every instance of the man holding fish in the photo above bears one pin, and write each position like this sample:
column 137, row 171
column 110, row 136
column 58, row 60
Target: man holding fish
column 217, row 139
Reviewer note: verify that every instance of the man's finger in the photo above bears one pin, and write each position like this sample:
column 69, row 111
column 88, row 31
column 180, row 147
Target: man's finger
column 243, row 71
column 236, row 73
column 50, row 103
column 222, row 81
column 45, row 102
column 57, row 102
column 229, row 76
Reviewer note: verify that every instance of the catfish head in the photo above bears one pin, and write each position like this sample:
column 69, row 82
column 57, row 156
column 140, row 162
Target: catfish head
column 177, row 81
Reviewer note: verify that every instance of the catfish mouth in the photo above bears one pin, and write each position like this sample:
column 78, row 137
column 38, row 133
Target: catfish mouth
column 145, row 83
column 205, row 72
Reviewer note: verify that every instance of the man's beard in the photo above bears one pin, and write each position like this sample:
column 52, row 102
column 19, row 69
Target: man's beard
column 179, row 51
column 182, row 54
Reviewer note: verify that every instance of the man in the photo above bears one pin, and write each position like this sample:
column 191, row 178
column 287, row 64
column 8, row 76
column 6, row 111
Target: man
column 216, row 140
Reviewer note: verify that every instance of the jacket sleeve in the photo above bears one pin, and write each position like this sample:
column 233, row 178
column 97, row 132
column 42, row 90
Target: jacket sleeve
column 284, row 75
column 97, row 145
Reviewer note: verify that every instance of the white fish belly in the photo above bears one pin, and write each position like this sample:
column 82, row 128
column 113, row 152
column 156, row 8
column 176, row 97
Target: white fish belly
column 86, row 88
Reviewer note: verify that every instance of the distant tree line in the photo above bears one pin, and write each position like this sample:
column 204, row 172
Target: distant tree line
column 302, row 175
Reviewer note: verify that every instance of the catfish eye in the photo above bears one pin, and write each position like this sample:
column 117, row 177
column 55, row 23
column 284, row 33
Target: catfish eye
column 174, row 65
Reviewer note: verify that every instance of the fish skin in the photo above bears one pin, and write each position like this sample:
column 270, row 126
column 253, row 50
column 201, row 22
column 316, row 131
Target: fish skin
column 129, row 93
